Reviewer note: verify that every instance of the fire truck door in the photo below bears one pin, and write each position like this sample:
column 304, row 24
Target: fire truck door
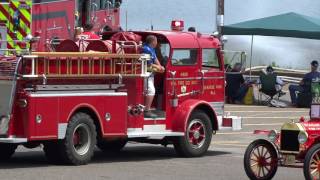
column 212, row 83
column 183, row 73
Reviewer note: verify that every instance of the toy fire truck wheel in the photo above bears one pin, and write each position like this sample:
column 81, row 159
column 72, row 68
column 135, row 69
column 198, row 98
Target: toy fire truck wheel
column 260, row 160
column 111, row 145
column 7, row 150
column 197, row 138
column 311, row 166
column 78, row 146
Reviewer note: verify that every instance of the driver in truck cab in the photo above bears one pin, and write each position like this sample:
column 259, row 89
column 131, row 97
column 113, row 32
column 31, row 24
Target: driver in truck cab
column 153, row 66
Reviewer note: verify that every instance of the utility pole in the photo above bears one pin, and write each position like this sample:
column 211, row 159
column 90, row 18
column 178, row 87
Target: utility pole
column 220, row 17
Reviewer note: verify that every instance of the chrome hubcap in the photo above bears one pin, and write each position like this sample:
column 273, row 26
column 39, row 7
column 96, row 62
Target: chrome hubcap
column 196, row 133
column 81, row 139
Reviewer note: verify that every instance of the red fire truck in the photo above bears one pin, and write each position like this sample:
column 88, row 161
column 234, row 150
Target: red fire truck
column 49, row 20
column 91, row 93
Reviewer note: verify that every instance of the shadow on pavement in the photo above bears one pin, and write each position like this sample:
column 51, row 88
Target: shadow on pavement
column 34, row 159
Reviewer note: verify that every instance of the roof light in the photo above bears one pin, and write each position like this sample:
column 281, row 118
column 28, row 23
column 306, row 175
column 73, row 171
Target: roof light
column 177, row 25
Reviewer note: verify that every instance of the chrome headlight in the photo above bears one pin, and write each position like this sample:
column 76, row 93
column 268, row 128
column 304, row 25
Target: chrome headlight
column 302, row 137
column 272, row 135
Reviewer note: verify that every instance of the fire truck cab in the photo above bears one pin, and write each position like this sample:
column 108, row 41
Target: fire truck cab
column 71, row 101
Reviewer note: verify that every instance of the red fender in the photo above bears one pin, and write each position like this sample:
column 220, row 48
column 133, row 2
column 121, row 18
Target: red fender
column 90, row 108
column 184, row 110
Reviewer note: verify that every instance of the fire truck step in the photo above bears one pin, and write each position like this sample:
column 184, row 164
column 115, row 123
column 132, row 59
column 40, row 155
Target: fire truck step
column 155, row 115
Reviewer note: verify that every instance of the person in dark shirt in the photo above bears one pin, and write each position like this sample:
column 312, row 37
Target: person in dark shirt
column 236, row 87
column 305, row 84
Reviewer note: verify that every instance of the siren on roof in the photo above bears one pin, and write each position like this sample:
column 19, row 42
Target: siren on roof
column 177, row 25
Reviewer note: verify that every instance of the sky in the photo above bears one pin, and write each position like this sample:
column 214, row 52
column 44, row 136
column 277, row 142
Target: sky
column 283, row 52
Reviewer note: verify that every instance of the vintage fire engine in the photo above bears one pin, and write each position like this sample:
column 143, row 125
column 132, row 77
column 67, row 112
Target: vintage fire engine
column 91, row 93
column 296, row 145
column 51, row 20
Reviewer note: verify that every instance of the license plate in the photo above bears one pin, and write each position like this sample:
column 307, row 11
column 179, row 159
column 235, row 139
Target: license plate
column 289, row 159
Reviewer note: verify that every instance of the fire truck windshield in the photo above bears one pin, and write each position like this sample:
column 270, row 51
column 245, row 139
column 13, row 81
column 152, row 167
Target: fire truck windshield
column 210, row 58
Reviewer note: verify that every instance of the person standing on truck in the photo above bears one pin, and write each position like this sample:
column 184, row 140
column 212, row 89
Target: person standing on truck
column 153, row 66
column 305, row 84
column 89, row 33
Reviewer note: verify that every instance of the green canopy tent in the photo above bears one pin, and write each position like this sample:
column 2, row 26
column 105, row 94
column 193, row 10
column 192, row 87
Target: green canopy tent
column 284, row 25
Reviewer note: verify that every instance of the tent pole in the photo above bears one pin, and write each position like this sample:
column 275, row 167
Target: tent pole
column 251, row 51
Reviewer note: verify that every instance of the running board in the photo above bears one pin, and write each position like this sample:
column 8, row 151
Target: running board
column 157, row 133
column 13, row 140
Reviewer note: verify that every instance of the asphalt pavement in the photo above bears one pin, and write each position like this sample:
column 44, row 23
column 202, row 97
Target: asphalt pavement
column 224, row 159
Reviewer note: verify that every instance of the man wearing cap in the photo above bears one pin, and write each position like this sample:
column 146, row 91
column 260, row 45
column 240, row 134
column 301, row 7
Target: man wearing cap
column 305, row 84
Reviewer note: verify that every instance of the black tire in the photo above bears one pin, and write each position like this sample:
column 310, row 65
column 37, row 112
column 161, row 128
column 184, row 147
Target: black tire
column 269, row 160
column 82, row 152
column 111, row 145
column 7, row 150
column 182, row 144
column 312, row 153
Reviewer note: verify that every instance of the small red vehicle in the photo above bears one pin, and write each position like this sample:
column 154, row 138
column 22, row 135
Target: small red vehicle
column 91, row 93
column 296, row 145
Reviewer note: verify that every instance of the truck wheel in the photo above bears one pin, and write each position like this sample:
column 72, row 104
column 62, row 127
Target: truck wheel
column 78, row 146
column 7, row 150
column 311, row 166
column 260, row 160
column 197, row 138
column 111, row 145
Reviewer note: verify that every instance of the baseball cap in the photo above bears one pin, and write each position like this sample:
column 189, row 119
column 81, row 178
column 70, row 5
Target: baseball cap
column 315, row 63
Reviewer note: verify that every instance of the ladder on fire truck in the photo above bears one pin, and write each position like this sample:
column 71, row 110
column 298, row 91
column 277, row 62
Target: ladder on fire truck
column 74, row 65
column 85, row 65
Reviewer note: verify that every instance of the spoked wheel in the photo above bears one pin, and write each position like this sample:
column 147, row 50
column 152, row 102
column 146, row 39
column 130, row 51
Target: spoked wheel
column 311, row 167
column 197, row 138
column 260, row 160
column 196, row 133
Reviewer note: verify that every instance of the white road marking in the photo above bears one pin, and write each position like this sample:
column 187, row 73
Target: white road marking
column 234, row 133
column 228, row 142
column 267, row 124
column 273, row 117
column 243, row 106
column 235, row 145
column 267, row 111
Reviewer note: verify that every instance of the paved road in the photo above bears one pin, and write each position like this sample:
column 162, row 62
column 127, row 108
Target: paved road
column 143, row 161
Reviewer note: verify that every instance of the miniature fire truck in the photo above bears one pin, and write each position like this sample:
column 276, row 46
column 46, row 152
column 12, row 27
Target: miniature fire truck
column 51, row 20
column 91, row 93
column 296, row 145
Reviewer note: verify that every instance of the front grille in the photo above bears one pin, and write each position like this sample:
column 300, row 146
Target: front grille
column 289, row 140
